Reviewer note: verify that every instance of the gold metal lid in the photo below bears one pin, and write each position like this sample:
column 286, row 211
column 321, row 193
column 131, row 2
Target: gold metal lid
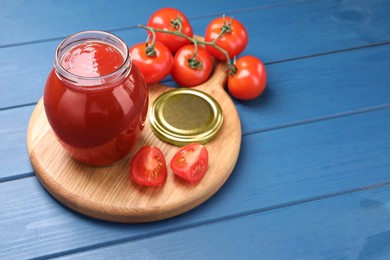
column 183, row 115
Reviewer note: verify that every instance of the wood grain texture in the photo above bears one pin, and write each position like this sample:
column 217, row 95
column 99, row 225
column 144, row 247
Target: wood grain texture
column 13, row 151
column 68, row 18
column 108, row 193
column 320, row 88
column 351, row 226
column 319, row 134
column 297, row 92
column 275, row 169
column 276, row 33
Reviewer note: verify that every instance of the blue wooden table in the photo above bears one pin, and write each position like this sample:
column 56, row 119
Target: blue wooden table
column 313, row 177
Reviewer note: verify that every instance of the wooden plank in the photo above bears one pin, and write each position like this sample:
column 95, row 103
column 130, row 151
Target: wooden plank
column 352, row 226
column 42, row 19
column 306, row 90
column 271, row 39
column 13, row 150
column 276, row 168
column 322, row 87
column 280, row 167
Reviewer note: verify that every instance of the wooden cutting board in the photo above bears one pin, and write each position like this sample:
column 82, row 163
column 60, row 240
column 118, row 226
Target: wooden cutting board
column 108, row 193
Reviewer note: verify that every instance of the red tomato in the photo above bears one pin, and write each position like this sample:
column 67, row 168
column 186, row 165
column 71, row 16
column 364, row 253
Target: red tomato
column 148, row 167
column 184, row 72
column 190, row 162
column 155, row 67
column 164, row 19
column 250, row 79
column 233, row 41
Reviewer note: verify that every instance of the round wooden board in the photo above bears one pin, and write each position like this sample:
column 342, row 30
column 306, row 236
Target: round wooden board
column 108, row 193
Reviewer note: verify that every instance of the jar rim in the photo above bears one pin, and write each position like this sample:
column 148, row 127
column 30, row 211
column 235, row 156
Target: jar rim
column 88, row 35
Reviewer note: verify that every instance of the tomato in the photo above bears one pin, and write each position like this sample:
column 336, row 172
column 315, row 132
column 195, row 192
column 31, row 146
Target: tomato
column 165, row 19
column 148, row 167
column 250, row 80
column 155, row 67
column 190, row 162
column 188, row 72
column 233, row 41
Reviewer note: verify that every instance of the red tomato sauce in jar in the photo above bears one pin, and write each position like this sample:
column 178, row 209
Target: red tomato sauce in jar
column 92, row 59
column 95, row 99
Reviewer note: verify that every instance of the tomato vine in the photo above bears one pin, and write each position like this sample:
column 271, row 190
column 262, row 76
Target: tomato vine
column 193, row 63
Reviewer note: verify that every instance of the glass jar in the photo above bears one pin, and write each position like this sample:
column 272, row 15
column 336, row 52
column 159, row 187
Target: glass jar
column 95, row 98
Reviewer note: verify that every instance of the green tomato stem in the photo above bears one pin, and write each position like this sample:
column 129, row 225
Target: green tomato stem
column 233, row 68
column 150, row 50
column 225, row 29
column 177, row 23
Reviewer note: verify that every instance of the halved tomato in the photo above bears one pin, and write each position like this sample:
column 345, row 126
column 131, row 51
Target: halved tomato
column 190, row 162
column 148, row 167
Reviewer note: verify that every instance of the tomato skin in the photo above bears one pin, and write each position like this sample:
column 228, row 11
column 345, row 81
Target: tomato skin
column 234, row 42
column 250, row 80
column 153, row 68
column 190, row 162
column 148, row 167
column 186, row 76
column 161, row 19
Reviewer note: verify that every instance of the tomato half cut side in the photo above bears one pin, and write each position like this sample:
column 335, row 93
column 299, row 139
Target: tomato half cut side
column 190, row 162
column 148, row 167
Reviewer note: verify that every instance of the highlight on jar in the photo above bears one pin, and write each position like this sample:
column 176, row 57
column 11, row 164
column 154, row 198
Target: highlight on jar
column 95, row 98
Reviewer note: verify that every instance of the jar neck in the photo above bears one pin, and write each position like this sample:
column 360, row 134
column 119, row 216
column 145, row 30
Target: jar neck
column 94, row 82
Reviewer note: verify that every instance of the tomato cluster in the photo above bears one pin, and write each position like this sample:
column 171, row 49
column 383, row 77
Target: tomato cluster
column 174, row 50
column 148, row 165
